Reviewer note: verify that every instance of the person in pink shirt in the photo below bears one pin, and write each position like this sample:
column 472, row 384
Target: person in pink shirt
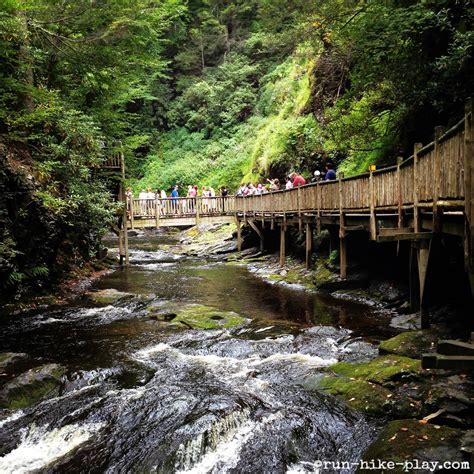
column 297, row 180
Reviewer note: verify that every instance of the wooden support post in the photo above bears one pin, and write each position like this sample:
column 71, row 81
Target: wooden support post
column 282, row 245
column 239, row 233
column 416, row 213
column 373, row 222
column 198, row 200
column 309, row 245
column 343, row 257
column 120, row 242
column 124, row 215
column 468, row 190
column 342, row 231
column 423, row 256
column 132, row 216
column 437, row 210
column 272, row 224
column 413, row 278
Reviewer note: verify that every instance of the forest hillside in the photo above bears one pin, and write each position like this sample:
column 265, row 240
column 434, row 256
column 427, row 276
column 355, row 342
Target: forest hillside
column 210, row 92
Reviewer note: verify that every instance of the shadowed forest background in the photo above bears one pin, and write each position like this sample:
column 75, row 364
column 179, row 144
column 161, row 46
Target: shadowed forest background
column 210, row 92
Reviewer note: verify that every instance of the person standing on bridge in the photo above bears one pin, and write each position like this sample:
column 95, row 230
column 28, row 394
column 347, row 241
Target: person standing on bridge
column 175, row 195
column 297, row 180
column 330, row 173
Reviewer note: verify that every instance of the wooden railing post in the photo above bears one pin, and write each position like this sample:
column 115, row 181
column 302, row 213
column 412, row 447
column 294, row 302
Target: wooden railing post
column 298, row 200
column 416, row 213
column 373, row 223
column 437, row 211
column 468, row 189
column 399, row 193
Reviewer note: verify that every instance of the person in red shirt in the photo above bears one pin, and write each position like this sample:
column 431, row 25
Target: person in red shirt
column 297, row 180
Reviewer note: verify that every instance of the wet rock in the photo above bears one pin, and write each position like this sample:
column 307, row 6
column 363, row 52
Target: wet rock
column 31, row 386
column 411, row 441
column 109, row 296
column 368, row 386
column 406, row 321
column 410, row 344
column 10, row 361
column 380, row 370
column 388, row 291
column 195, row 316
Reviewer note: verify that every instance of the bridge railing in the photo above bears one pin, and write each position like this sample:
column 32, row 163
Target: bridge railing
column 434, row 172
column 181, row 207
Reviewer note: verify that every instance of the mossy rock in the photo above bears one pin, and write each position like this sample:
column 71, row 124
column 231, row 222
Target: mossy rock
column 196, row 316
column 409, row 440
column 410, row 344
column 380, row 370
column 31, row 386
column 358, row 394
column 322, row 275
column 109, row 296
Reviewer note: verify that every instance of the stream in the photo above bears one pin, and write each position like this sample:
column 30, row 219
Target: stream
column 143, row 396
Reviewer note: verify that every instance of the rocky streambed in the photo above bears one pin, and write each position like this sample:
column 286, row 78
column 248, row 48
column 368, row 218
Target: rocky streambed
column 197, row 359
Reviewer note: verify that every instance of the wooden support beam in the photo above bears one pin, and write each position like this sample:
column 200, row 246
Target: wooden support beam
column 309, row 245
column 383, row 231
column 405, row 236
column 300, row 222
column 413, row 279
column 423, row 256
column 282, row 245
column 258, row 232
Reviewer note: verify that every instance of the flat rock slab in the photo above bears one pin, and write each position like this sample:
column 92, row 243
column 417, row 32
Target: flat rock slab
column 31, row 386
column 194, row 316
column 109, row 296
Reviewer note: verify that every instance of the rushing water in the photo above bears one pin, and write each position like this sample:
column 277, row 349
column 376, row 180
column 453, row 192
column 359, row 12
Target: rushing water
column 141, row 397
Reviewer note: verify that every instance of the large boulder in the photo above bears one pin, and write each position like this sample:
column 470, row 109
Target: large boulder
column 32, row 386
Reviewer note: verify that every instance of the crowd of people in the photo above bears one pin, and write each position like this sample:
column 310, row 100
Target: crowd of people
column 148, row 197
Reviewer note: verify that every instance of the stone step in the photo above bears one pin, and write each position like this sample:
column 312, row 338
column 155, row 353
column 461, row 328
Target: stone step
column 452, row 347
column 447, row 362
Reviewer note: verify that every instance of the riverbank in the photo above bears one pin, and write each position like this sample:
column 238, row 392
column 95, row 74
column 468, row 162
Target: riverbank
column 73, row 286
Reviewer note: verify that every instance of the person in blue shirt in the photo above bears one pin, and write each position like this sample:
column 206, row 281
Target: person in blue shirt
column 174, row 195
column 330, row 173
